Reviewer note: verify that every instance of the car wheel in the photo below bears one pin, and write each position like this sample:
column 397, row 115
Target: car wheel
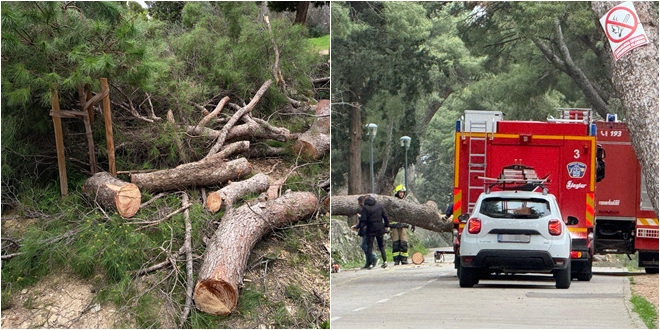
column 563, row 277
column 586, row 274
column 467, row 277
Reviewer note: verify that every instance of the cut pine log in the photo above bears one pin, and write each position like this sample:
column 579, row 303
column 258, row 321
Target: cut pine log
column 113, row 194
column 229, row 194
column 315, row 143
column 196, row 174
column 228, row 251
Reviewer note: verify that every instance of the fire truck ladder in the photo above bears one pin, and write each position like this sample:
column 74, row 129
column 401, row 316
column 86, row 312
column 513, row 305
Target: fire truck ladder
column 476, row 162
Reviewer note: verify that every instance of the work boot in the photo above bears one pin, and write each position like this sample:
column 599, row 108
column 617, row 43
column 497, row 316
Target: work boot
column 396, row 260
column 404, row 260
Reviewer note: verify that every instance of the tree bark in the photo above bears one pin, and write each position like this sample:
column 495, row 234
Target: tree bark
column 229, row 194
column 197, row 174
column 227, row 254
column 425, row 216
column 635, row 78
column 112, row 193
column 301, row 12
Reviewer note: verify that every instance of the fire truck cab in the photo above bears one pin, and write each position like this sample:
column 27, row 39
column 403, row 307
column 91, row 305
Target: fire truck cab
column 562, row 152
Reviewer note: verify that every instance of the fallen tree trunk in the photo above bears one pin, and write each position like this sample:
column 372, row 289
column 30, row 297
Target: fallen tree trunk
column 315, row 143
column 425, row 216
column 197, row 174
column 228, row 251
column 112, row 193
column 229, row 194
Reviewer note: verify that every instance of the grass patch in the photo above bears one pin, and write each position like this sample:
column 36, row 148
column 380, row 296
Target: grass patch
column 646, row 311
column 320, row 43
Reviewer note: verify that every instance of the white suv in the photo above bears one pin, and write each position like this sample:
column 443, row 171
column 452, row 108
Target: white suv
column 515, row 232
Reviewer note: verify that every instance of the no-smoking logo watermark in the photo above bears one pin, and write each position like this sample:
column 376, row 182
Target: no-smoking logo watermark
column 623, row 30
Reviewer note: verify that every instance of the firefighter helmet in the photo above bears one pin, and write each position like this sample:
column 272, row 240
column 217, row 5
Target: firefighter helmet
column 399, row 188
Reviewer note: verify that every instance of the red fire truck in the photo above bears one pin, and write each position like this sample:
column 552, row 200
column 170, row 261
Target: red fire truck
column 625, row 221
column 564, row 152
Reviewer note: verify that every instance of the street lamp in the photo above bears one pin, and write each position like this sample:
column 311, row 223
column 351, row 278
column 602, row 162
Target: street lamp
column 405, row 142
column 371, row 131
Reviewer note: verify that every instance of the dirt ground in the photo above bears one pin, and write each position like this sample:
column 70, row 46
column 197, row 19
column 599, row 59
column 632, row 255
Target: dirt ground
column 646, row 285
column 58, row 301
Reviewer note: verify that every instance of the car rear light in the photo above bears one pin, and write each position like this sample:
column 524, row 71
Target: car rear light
column 576, row 254
column 554, row 227
column 474, row 226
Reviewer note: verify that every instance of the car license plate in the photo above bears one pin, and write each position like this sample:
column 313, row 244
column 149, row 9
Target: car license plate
column 513, row 238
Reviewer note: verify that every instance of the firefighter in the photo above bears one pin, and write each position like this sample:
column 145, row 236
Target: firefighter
column 399, row 233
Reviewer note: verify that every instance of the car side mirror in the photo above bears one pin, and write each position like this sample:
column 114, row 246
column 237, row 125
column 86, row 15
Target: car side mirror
column 463, row 218
column 571, row 220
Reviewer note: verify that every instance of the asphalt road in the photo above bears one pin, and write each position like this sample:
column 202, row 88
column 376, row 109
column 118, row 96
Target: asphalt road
column 428, row 296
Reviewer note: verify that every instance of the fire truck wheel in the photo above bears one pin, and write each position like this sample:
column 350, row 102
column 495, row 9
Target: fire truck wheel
column 467, row 277
column 650, row 270
column 586, row 273
column 563, row 277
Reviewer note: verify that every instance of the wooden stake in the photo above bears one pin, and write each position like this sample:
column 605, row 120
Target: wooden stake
column 90, row 110
column 88, row 130
column 108, row 126
column 59, row 142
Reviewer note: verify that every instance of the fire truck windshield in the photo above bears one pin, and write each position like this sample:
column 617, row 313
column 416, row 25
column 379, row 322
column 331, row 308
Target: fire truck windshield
column 533, row 208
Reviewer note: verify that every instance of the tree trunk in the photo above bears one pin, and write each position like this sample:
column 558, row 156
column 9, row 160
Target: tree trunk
column 228, row 251
column 355, row 153
column 112, row 193
column 301, row 12
column 208, row 172
column 229, row 194
column 635, row 78
column 315, row 143
column 425, row 216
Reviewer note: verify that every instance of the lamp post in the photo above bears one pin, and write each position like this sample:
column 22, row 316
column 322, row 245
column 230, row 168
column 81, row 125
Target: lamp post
column 405, row 142
column 371, row 131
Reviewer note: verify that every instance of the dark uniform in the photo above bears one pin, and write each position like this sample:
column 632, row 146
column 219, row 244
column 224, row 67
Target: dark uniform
column 399, row 235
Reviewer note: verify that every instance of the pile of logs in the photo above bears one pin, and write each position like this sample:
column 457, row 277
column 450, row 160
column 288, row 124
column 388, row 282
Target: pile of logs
column 241, row 228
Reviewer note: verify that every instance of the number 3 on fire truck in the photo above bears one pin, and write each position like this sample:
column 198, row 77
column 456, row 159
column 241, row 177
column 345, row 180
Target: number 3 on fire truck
column 577, row 154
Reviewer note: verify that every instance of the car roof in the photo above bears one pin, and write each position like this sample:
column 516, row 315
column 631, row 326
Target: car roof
column 519, row 194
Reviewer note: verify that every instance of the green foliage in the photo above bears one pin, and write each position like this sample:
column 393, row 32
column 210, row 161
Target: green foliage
column 646, row 311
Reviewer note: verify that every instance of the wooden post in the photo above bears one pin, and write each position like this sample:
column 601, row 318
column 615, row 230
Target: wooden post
column 90, row 110
column 88, row 129
column 108, row 127
column 59, row 142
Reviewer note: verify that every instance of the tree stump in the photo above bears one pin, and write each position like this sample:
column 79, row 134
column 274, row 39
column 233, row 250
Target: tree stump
column 113, row 194
column 197, row 174
column 232, row 192
column 228, row 251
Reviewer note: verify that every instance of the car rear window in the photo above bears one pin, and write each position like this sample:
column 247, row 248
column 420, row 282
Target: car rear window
column 516, row 208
